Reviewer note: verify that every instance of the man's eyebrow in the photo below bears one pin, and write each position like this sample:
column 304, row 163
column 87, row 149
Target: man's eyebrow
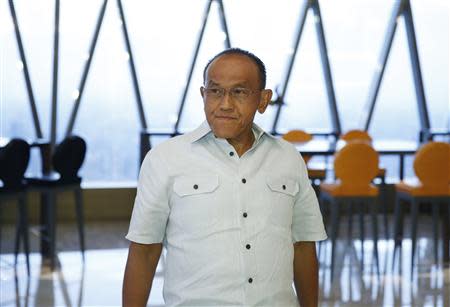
column 212, row 83
column 244, row 84
column 239, row 84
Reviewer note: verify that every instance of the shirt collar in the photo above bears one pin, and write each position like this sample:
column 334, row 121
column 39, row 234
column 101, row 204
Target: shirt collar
column 200, row 132
column 204, row 130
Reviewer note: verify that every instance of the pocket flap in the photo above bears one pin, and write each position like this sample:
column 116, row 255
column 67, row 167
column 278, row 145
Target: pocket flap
column 198, row 184
column 283, row 185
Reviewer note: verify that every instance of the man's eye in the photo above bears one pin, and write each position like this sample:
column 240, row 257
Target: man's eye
column 239, row 91
column 215, row 91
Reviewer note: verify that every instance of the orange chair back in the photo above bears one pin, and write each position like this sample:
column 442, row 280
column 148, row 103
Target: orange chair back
column 432, row 165
column 356, row 135
column 298, row 136
column 356, row 164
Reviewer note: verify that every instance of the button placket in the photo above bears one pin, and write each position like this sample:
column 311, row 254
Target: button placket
column 248, row 258
column 244, row 214
column 245, row 186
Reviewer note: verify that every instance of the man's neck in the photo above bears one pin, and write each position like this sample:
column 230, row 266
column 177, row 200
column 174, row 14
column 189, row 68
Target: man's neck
column 241, row 146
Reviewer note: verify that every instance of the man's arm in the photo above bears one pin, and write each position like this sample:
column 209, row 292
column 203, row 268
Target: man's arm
column 306, row 271
column 139, row 273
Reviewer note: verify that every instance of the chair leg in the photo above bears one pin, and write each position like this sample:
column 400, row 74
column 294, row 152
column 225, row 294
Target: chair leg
column 374, row 213
column 23, row 215
column 446, row 230
column 385, row 210
column 350, row 221
column 18, row 234
column 335, row 216
column 361, row 210
column 52, row 227
column 414, row 217
column 384, row 205
column 398, row 224
column 80, row 217
column 435, row 209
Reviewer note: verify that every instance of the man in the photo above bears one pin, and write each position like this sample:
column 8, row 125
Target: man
column 232, row 205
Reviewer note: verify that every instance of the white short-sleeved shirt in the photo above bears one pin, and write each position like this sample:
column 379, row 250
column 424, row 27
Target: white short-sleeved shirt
column 228, row 223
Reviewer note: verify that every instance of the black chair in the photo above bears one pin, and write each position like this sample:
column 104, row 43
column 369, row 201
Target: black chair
column 14, row 158
column 67, row 159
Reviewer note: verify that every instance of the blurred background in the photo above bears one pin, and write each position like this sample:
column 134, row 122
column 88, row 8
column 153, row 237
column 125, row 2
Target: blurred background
column 125, row 75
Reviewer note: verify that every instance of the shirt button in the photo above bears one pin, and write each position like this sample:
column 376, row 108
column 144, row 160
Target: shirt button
column 247, row 246
column 250, row 280
column 195, row 187
column 284, row 187
column 244, row 214
column 231, row 153
column 244, row 180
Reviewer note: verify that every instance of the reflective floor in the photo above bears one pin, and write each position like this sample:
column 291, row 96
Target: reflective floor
column 98, row 281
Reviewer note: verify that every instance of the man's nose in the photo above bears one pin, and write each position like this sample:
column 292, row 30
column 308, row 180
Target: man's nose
column 226, row 102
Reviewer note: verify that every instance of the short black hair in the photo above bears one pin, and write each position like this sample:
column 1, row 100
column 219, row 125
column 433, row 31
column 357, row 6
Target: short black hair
column 248, row 54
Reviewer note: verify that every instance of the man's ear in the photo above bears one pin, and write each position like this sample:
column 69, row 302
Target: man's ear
column 202, row 92
column 266, row 96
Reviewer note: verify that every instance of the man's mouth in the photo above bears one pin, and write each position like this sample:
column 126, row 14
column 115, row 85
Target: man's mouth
column 225, row 117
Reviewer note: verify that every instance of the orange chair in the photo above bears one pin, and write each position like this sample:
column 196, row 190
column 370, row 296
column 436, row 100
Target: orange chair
column 356, row 134
column 355, row 166
column 361, row 135
column 300, row 136
column 431, row 186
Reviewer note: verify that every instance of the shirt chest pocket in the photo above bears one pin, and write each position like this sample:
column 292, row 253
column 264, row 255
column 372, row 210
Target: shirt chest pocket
column 195, row 202
column 195, row 185
column 282, row 197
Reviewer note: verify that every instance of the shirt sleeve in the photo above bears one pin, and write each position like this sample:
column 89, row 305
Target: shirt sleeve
column 307, row 222
column 151, row 206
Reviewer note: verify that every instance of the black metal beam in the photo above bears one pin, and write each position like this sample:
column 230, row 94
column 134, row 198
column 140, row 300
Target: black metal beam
column 280, row 96
column 144, row 146
column 223, row 23
column 191, row 69
column 34, row 112
column 326, row 69
column 417, row 73
column 87, row 66
column 402, row 8
column 137, row 91
column 314, row 5
column 54, row 107
column 381, row 66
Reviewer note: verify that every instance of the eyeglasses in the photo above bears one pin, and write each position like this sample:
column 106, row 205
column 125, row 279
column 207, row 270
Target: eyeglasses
column 237, row 93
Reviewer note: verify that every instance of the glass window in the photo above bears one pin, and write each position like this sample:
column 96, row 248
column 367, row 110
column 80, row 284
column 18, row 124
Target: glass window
column 163, row 37
column 432, row 31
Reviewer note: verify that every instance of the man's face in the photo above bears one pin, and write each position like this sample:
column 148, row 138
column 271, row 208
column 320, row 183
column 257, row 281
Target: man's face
column 230, row 115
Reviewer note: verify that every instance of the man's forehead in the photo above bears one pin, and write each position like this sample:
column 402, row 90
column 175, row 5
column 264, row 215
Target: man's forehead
column 236, row 65
column 232, row 57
